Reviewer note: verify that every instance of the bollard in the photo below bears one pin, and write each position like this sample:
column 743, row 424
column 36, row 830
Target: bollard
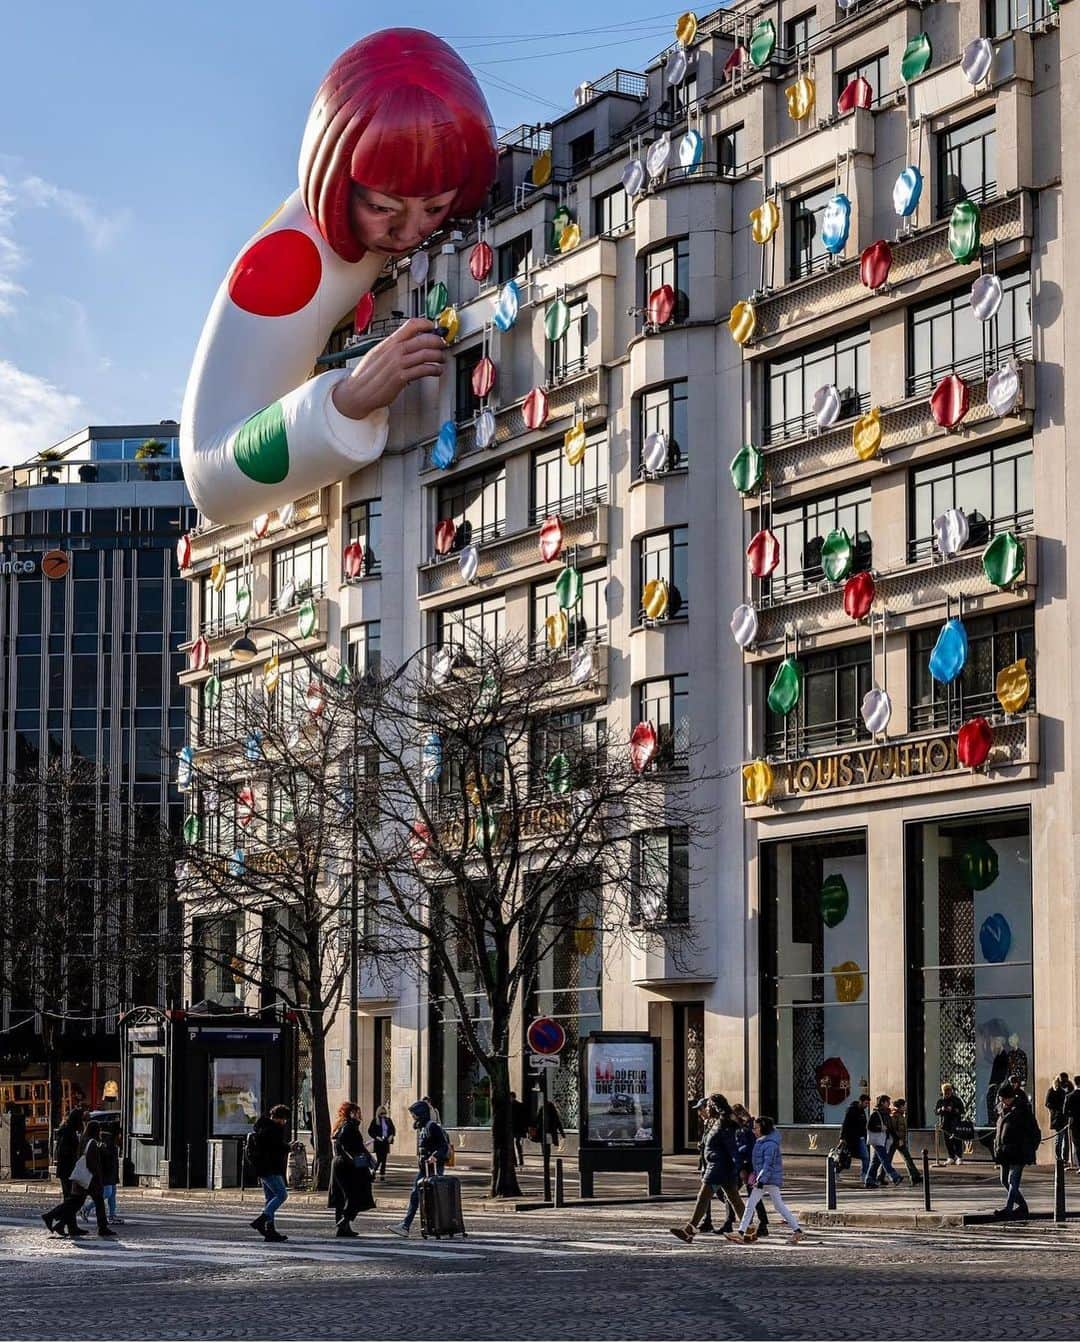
column 830, row 1183
column 926, row 1179
column 560, row 1188
column 189, row 1165
column 1059, row 1190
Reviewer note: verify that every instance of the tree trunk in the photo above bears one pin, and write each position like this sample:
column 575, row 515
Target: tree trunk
column 320, row 1101
column 504, row 1181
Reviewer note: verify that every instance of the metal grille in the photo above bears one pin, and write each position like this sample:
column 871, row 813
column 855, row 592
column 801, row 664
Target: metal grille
column 808, row 1045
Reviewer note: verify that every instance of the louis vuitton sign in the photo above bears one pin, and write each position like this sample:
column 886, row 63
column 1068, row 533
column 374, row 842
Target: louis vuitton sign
column 868, row 766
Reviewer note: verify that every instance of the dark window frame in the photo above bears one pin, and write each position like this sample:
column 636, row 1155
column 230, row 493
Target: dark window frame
column 676, row 910
column 665, row 554
column 803, row 524
column 568, row 357
column 665, row 407
column 794, row 736
column 664, row 701
column 949, row 321
column 825, row 359
column 806, row 256
column 561, row 490
column 1010, row 469
column 964, row 143
column 1008, row 635
column 365, row 527
column 669, row 264
column 483, row 491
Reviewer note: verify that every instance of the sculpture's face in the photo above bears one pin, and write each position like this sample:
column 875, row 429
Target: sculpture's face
column 396, row 225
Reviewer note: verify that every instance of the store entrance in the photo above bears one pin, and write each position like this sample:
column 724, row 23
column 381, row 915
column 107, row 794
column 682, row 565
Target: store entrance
column 689, row 1073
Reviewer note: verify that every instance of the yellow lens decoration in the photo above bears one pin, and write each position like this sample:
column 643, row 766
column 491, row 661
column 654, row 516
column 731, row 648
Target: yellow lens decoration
column 757, row 782
column 654, row 599
column 866, row 434
column 850, row 981
column 218, row 574
column 450, row 322
column 569, row 238
column 541, row 169
column 764, row 221
column 742, row 322
column 271, row 674
column 800, row 98
column 1013, row 686
column 574, row 443
column 556, row 629
column 686, row 28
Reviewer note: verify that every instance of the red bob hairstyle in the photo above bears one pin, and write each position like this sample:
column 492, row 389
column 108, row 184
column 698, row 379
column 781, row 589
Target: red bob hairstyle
column 398, row 112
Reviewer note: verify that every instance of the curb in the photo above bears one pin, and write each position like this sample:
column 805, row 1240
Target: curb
column 890, row 1221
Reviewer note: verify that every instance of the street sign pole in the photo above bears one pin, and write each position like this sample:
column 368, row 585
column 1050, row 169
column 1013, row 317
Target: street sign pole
column 545, row 1145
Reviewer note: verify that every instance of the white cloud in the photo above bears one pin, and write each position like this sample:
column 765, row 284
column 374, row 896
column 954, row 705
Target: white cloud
column 101, row 228
column 34, row 414
column 11, row 257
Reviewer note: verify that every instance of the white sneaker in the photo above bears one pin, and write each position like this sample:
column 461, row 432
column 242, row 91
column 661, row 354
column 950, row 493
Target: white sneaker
column 399, row 1229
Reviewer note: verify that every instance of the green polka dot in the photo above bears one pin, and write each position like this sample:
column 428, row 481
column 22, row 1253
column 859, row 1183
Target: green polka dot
column 261, row 446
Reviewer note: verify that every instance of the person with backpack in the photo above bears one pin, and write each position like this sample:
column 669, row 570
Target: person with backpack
column 881, row 1136
column 267, row 1151
column 1016, row 1145
column 352, row 1171
column 768, row 1178
column 432, row 1149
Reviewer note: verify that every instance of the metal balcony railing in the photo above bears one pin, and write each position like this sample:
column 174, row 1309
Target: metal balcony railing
column 798, row 739
column 978, row 366
column 922, row 548
column 949, row 712
column 568, row 505
column 798, row 426
column 68, row 472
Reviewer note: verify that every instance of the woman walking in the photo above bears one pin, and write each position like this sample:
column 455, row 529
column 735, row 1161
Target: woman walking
column 381, row 1131
column 768, row 1177
column 350, row 1175
column 745, row 1137
column 719, row 1178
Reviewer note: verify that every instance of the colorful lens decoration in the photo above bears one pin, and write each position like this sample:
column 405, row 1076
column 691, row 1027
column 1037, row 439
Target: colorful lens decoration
column 744, row 625
column 995, row 938
column 192, row 829
column 483, row 378
column 986, row 296
column 786, row 688
column 949, row 655
column 916, row 58
column 737, row 57
column 1013, row 686
column 686, row 28
column 551, row 539
column 574, row 444
column 973, row 743
column 656, row 599
column 418, row 267
column 353, row 559
column 906, row 192
column 849, row 980
column 420, row 841
column 245, row 807
column 836, row 224
column 979, row 865
column 747, row 468
column 485, row 428
column 556, row 629
column 211, row 695
column 559, row 774
column 449, row 323
column 1003, row 560
column 469, row 563
column 253, row 751
column 801, row 97
column 875, row 264
column 691, row 150
column 363, row 313
column 764, row 221
column 758, row 782
column 183, row 551
column 507, row 305
column 859, row 593
column 950, row 401
column 445, row 532
column 876, row 710
column 481, row 260
column 556, row 320
column 569, row 238
column 199, row 656
column 287, row 514
column 568, row 587
column 431, row 758
column 656, row 160
column 866, row 434
column 836, row 555
column 951, row 532
column 643, row 746
column 582, row 666
column 260, row 525
column 243, row 603
column 834, row 900
column 185, row 768
column 444, row 450
column 535, row 409
column 654, row 453
column 675, row 70
column 857, row 93
column 1003, row 389
column 976, row 60
column 218, row 575
column 438, row 298
column 965, row 232
column 762, row 42
column 633, row 177
column 271, row 674
column 661, row 305
column 742, row 321
column 763, row 552
column 307, row 619
column 833, row 1081
column 826, row 406
column 541, row 169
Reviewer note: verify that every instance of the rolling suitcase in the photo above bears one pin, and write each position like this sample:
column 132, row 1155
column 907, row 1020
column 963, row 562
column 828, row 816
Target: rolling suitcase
column 440, row 1207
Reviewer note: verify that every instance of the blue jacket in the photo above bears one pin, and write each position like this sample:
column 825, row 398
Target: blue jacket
column 719, row 1155
column 744, row 1147
column 768, row 1163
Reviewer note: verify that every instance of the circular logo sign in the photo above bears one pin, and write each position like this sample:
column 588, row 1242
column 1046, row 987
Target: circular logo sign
column 55, row 563
column 546, row 1036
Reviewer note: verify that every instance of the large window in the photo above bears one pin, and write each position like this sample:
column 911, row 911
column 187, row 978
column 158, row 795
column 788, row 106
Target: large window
column 970, row 953
column 792, row 381
column 514, row 258
column 363, row 648
column 578, row 735
column 1002, row 16
column 828, row 711
column 815, row 1038
column 664, row 410
column 993, row 486
column 665, row 702
column 994, row 642
column 304, row 565
column 365, row 528
column 476, row 504
column 798, row 33
column 806, row 251
column 875, row 70
column 966, row 163
column 219, row 608
column 660, row 876
column 665, row 556
column 801, row 529
column 681, row 96
column 477, row 629
column 466, row 402
column 612, row 212
column 569, row 355
column 564, row 490
column 945, row 336
column 588, row 621
column 582, row 148
column 731, row 150
column 670, row 264
column 459, row 1086
column 214, row 943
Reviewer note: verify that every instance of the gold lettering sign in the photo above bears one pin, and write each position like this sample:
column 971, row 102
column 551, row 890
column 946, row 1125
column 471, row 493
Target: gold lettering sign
column 869, row 766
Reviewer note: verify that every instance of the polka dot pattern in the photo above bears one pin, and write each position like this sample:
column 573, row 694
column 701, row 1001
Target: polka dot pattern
column 277, row 275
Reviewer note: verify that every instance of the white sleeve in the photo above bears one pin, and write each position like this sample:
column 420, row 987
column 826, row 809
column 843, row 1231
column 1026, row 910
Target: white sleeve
column 256, row 431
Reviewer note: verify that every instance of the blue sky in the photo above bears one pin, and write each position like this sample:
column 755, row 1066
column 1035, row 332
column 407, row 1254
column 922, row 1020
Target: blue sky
column 143, row 143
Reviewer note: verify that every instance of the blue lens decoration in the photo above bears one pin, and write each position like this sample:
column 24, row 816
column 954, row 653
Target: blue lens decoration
column 444, row 453
column 950, row 652
column 906, row 191
column 836, row 224
column 431, row 756
column 691, row 149
column 185, row 768
column 253, row 746
column 507, row 305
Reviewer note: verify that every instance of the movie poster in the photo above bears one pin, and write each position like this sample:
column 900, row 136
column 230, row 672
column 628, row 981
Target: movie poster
column 621, row 1091
column 142, row 1095
column 237, row 1098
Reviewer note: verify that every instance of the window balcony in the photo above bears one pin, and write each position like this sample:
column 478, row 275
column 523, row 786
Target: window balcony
column 948, row 714
column 976, row 367
column 211, row 540
column 852, row 405
column 263, row 630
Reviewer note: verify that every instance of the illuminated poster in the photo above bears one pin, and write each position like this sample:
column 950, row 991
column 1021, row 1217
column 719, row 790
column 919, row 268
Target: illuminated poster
column 237, row 1095
column 620, row 1079
column 142, row 1096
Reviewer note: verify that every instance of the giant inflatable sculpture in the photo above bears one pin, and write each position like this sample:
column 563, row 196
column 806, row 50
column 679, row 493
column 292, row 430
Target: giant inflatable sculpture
column 399, row 141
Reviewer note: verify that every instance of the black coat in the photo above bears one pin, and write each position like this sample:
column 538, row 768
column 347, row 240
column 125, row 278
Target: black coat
column 350, row 1184
column 66, row 1147
column 950, row 1110
column 270, row 1150
column 375, row 1130
column 519, row 1119
column 1070, row 1111
column 853, row 1128
column 719, row 1154
column 110, row 1160
column 1015, row 1143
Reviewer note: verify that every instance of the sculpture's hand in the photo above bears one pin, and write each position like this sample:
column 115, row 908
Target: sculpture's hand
column 414, row 350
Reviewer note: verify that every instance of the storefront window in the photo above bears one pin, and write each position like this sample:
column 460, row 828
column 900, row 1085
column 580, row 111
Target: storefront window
column 815, row 1043
column 460, row 1087
column 969, row 927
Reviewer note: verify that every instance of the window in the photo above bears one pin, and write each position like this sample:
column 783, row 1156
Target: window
column 582, row 148
column 579, row 735
column 875, row 70
column 660, row 876
column 798, row 32
column 944, row 336
column 665, row 702
column 365, row 528
column 670, row 264
column 792, row 381
column 363, row 645
column 801, row 530
column 664, row 409
column 612, row 212
column 460, row 1087
column 815, row 1028
column 476, row 629
column 564, row 490
column 966, row 163
column 664, row 556
column 569, row 355
column 476, row 504
column 994, row 642
column 807, row 253
column 828, row 711
column 682, row 96
column 731, row 150
column 970, row 978
column 466, row 402
column 219, row 608
column 587, row 621
column 514, row 258
column 304, row 565
column 1002, row 16
column 992, row 486
column 214, row 948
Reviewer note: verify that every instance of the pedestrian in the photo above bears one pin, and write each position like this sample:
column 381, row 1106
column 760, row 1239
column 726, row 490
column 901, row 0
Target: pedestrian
column 432, row 1108
column 93, row 1154
column 853, row 1131
column 1071, row 1114
column 719, row 1179
column 745, row 1139
column 705, row 1226
column 432, row 1149
column 553, row 1125
column 768, row 1178
column 267, row 1148
column 382, row 1133
column 351, row 1171
column 1055, row 1107
column 900, row 1130
column 519, row 1126
column 1016, row 1143
column 880, row 1135
column 950, row 1111
column 109, row 1141
column 67, row 1142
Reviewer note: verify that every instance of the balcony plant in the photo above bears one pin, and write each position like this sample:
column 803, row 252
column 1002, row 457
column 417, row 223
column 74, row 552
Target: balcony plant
column 49, row 475
column 148, row 454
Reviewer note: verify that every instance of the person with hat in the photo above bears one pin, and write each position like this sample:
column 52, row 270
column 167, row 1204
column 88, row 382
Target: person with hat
column 719, row 1178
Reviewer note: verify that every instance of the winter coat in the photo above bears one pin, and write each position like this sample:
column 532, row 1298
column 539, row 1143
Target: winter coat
column 269, row 1148
column 375, row 1131
column 950, row 1110
column 768, row 1160
column 878, row 1128
column 1070, row 1111
column 900, row 1129
column 432, row 1141
column 744, row 1148
column 66, row 1148
column 519, row 1119
column 110, row 1160
column 853, row 1129
column 350, row 1184
column 718, row 1151
column 1015, row 1140
column 1055, row 1104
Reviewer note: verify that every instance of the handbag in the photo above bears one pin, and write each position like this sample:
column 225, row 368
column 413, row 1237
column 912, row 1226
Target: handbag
column 81, row 1175
column 362, row 1161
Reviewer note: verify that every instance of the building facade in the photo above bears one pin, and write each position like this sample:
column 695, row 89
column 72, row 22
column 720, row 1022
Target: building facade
column 783, row 284
column 90, row 677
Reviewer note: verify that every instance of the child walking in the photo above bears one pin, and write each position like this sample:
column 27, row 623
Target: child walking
column 768, row 1179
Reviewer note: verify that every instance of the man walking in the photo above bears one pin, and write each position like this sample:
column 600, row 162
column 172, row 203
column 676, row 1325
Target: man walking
column 268, row 1151
column 950, row 1111
column 1070, row 1113
column 432, row 1149
column 1015, row 1146
column 66, row 1145
column 853, row 1131
column 720, row 1178
column 880, row 1133
column 1055, row 1107
column 900, row 1129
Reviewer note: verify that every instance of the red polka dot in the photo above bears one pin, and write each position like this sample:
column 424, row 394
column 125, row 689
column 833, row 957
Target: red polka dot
column 277, row 275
